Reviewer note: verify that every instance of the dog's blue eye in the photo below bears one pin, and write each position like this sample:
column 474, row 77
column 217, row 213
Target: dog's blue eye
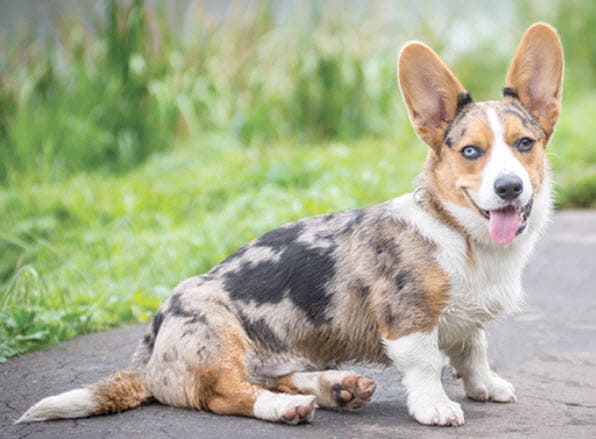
column 524, row 144
column 471, row 152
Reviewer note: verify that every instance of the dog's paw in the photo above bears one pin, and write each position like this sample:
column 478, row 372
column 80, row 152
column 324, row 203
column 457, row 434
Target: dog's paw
column 442, row 412
column 299, row 412
column 353, row 392
column 491, row 388
column 346, row 390
column 282, row 407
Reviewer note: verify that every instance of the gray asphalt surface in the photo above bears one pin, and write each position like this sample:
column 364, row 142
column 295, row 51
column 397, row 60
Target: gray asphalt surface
column 548, row 352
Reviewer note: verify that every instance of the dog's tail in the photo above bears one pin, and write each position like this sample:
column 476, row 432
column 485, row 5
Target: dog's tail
column 120, row 391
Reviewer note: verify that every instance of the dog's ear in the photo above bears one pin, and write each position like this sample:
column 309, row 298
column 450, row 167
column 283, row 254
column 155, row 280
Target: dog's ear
column 536, row 74
column 431, row 92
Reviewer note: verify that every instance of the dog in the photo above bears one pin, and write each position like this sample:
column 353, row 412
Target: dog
column 401, row 283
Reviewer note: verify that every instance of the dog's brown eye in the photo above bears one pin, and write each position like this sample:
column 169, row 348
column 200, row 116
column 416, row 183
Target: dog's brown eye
column 471, row 152
column 524, row 144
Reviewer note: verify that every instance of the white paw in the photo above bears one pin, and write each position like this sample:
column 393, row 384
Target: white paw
column 493, row 388
column 301, row 409
column 291, row 409
column 436, row 412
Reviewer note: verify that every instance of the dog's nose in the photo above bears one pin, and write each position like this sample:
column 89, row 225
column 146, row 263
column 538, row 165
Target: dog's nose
column 508, row 187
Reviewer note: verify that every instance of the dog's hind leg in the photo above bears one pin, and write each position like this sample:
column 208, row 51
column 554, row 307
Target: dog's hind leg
column 225, row 389
column 333, row 388
column 208, row 371
column 232, row 394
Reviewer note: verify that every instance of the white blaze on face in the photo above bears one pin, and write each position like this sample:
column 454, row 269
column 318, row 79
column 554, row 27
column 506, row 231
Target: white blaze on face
column 504, row 223
column 501, row 162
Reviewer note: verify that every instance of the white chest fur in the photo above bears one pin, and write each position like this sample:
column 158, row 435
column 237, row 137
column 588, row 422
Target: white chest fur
column 484, row 286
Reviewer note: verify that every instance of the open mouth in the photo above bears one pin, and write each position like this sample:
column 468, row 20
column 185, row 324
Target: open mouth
column 505, row 223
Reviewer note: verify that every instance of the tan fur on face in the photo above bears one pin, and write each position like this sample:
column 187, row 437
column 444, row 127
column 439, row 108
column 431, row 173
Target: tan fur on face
column 533, row 160
column 456, row 178
column 448, row 174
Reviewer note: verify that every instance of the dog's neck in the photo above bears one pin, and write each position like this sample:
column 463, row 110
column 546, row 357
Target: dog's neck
column 432, row 204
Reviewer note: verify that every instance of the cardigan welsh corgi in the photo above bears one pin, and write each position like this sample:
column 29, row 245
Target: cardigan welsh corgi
column 263, row 333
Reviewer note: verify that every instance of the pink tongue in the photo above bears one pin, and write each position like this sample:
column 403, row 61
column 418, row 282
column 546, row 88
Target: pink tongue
column 503, row 225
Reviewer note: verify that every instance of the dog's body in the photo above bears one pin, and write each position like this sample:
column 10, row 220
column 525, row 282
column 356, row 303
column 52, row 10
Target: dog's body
column 395, row 283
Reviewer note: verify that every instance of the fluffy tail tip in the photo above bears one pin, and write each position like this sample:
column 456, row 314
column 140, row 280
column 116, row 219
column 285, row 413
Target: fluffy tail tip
column 77, row 403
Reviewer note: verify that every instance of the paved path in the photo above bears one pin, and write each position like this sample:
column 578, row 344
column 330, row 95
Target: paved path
column 548, row 352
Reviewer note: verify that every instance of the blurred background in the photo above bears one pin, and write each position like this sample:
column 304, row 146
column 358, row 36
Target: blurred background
column 143, row 141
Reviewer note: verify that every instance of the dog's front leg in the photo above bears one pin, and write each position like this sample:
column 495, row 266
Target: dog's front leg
column 470, row 359
column 419, row 360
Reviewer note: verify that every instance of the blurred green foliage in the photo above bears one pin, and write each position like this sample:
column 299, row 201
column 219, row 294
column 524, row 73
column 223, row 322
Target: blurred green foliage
column 131, row 157
column 106, row 101
column 94, row 112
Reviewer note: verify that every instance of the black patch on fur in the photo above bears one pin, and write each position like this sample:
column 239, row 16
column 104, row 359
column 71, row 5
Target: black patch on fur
column 177, row 309
column 518, row 110
column 464, row 103
column 222, row 304
column 196, row 318
column 388, row 256
column 278, row 238
column 463, row 100
column 402, row 279
column 260, row 332
column 508, row 91
column 157, row 321
column 237, row 254
column 449, row 142
column 301, row 271
column 186, row 333
column 357, row 217
column 149, row 341
column 203, row 278
column 364, row 291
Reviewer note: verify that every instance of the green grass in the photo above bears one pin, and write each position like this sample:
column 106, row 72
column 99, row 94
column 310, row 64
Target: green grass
column 573, row 153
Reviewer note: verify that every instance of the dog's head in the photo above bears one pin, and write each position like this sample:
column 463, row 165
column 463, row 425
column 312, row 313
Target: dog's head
column 487, row 161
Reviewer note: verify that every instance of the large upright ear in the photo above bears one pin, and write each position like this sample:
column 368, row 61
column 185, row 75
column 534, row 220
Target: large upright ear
column 536, row 74
column 431, row 92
